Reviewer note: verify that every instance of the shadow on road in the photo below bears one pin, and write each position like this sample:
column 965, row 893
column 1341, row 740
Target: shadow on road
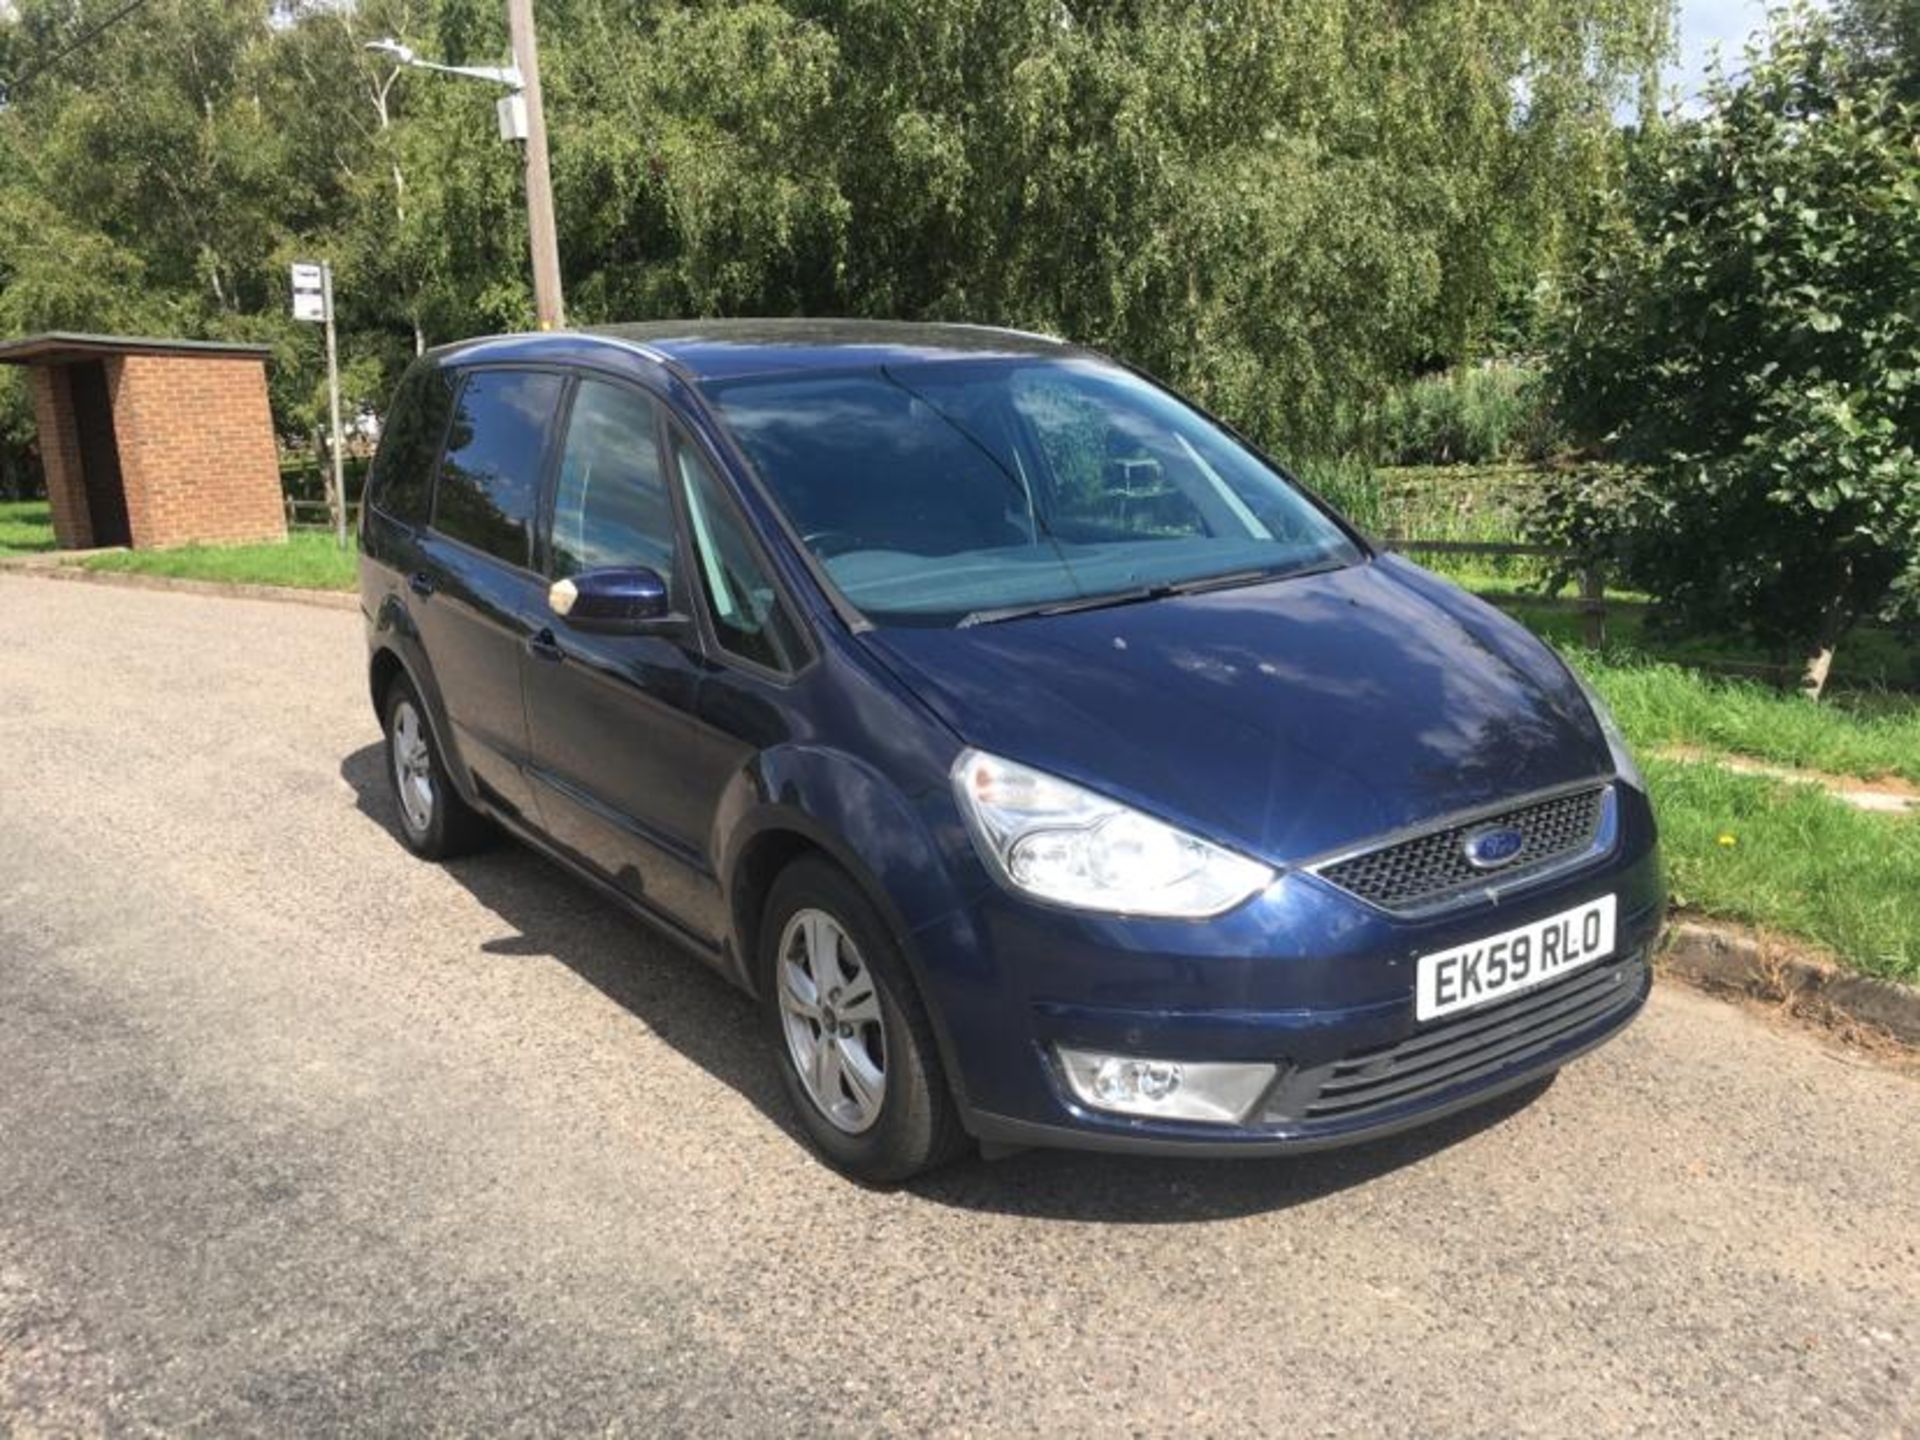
column 714, row 1025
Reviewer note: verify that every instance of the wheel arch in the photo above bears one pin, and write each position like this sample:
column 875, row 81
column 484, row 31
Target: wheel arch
column 899, row 859
column 382, row 670
column 386, row 664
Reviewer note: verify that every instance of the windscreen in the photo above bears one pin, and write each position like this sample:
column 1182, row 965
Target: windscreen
column 942, row 492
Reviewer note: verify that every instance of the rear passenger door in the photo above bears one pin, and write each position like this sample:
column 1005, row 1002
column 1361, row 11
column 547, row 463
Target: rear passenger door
column 476, row 597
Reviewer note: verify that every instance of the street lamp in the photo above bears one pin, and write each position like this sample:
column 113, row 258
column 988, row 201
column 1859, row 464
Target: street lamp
column 507, row 75
column 521, row 118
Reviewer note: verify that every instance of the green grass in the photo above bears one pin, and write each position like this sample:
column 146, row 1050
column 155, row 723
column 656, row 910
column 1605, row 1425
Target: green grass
column 305, row 562
column 1781, row 855
column 1666, row 705
column 26, row 527
column 1791, row 858
column 1875, row 659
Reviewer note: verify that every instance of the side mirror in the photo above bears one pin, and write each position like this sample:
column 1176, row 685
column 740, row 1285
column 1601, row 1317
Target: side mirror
column 614, row 602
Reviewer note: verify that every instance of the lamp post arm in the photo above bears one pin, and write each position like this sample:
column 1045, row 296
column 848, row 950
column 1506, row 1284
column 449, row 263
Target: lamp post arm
column 507, row 75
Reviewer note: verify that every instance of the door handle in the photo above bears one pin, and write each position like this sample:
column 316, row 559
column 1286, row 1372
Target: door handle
column 543, row 646
column 421, row 583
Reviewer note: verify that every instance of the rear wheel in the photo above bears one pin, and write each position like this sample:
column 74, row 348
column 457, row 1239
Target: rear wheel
column 434, row 821
column 856, row 1048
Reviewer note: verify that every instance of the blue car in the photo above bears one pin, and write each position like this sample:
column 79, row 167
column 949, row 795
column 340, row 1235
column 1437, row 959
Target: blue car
column 1050, row 767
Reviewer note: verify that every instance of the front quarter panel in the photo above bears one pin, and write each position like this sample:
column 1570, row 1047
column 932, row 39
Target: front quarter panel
column 883, row 839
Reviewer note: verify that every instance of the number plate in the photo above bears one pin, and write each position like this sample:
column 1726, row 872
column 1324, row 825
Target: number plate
column 1514, row 960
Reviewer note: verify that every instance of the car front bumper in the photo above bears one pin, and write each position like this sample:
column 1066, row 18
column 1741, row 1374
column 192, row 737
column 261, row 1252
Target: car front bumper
column 1305, row 978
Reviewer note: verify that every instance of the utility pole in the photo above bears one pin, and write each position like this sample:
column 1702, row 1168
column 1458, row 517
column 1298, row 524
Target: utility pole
column 548, row 305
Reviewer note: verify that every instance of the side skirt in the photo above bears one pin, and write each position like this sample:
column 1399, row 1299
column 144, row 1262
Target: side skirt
column 715, row 956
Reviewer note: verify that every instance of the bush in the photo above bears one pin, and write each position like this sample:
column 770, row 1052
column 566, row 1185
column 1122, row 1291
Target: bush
column 20, row 477
column 1743, row 335
column 1480, row 415
column 1350, row 485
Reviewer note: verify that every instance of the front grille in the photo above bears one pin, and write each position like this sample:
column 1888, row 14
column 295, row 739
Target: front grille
column 1431, row 869
column 1458, row 1050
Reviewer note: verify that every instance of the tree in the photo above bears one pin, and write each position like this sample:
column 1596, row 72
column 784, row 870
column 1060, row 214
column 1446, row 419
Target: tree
column 1745, row 337
column 1283, row 205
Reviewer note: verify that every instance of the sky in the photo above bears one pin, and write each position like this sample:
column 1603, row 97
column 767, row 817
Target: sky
column 1705, row 23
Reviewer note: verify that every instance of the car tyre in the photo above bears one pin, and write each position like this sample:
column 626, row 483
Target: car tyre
column 435, row 822
column 853, row 1042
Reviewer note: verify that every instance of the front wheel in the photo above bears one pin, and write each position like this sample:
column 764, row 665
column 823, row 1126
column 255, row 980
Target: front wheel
column 855, row 1045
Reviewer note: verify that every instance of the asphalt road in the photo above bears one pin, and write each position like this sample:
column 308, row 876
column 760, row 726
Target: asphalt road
column 298, row 1134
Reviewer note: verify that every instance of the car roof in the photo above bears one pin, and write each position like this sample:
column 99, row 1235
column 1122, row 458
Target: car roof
column 723, row 349
column 705, row 350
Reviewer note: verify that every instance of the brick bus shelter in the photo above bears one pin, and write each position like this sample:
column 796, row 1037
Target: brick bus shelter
column 153, row 442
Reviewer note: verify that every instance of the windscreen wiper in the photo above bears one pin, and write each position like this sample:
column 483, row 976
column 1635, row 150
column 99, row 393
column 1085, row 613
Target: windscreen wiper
column 1134, row 596
column 1252, row 577
column 1065, row 607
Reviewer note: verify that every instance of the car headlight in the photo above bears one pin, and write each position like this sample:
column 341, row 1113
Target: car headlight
column 1056, row 842
column 1624, row 764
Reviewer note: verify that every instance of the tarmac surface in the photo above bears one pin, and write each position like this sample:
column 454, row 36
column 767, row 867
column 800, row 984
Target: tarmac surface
column 300, row 1134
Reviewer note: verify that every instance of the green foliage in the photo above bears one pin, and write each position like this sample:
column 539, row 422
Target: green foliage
column 1474, row 415
column 1351, row 485
column 1744, row 334
column 19, row 465
column 1282, row 205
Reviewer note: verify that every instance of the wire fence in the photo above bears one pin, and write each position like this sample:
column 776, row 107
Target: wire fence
column 317, row 514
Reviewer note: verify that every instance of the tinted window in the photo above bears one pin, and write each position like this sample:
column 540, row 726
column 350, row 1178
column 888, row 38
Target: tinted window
column 748, row 617
column 611, row 506
column 490, row 479
column 401, row 484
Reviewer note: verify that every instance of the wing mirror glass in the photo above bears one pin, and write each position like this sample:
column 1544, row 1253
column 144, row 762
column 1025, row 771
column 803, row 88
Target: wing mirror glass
column 614, row 602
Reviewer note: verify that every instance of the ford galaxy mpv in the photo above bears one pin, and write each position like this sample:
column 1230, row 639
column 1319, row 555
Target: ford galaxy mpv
column 1049, row 766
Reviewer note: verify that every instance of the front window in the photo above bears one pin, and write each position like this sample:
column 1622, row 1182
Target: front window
column 953, row 492
column 611, row 507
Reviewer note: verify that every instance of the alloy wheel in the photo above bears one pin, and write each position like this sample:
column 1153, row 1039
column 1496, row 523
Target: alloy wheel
column 412, row 767
column 830, row 1013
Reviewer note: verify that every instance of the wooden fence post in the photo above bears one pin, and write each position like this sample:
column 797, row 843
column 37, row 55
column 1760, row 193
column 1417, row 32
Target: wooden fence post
column 1593, row 618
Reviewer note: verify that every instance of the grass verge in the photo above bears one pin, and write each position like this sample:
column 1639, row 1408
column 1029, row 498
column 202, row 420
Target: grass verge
column 26, row 527
column 304, row 562
column 1791, row 858
column 1660, row 704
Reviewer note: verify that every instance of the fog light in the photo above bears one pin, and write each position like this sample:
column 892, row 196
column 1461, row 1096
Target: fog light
column 1207, row 1090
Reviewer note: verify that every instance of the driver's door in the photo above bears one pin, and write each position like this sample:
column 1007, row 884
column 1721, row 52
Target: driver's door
column 611, row 717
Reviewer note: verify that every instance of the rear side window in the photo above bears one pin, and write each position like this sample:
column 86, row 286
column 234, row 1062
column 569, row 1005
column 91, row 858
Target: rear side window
column 401, row 485
column 489, row 488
